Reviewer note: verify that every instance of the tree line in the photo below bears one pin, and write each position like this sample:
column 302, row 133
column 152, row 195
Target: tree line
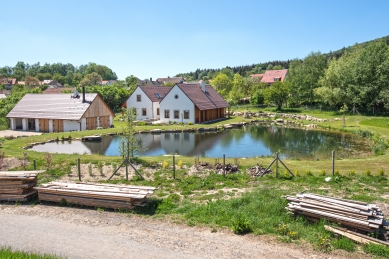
column 66, row 74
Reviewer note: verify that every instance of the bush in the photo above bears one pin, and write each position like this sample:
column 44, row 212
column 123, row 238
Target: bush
column 240, row 225
column 141, row 123
column 190, row 123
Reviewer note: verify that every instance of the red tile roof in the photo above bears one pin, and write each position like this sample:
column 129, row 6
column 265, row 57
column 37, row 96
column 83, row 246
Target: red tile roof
column 270, row 76
column 154, row 91
column 203, row 101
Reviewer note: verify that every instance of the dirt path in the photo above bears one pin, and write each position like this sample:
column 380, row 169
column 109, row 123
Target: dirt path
column 87, row 233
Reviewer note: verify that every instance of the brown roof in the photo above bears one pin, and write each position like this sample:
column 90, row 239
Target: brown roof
column 155, row 93
column 256, row 76
column 175, row 80
column 270, row 76
column 203, row 101
column 8, row 81
column 51, row 106
column 57, row 90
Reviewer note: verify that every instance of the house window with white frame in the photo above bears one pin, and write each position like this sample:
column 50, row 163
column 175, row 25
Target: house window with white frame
column 167, row 114
column 176, row 114
column 186, row 114
column 138, row 98
column 144, row 112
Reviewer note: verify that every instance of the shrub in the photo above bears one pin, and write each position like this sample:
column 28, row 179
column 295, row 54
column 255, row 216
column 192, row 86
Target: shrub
column 179, row 163
column 323, row 172
column 297, row 173
column 368, row 172
column 240, row 225
column 381, row 172
column 190, row 123
column 165, row 164
column 141, row 123
column 308, row 173
column 352, row 173
column 336, row 173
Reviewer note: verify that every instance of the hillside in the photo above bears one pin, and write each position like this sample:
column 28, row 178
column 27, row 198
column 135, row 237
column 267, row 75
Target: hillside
column 246, row 70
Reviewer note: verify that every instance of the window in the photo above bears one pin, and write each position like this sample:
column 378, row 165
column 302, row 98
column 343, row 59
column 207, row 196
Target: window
column 167, row 114
column 144, row 112
column 176, row 114
column 157, row 111
column 186, row 115
column 138, row 98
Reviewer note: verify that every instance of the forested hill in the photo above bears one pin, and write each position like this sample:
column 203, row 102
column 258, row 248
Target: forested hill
column 245, row 71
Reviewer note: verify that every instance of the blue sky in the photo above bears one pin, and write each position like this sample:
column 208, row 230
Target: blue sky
column 163, row 38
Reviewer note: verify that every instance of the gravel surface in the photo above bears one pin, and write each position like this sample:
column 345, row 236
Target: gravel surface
column 87, row 233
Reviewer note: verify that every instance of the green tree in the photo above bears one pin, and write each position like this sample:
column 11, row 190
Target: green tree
column 131, row 83
column 59, row 78
column 258, row 97
column 91, row 79
column 222, row 84
column 277, row 93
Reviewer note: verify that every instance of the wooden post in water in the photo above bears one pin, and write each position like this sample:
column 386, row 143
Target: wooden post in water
column 333, row 162
column 174, row 166
column 79, row 169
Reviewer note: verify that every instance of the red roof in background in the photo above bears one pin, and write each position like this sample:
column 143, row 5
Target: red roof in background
column 175, row 80
column 270, row 75
column 6, row 81
column 203, row 101
column 153, row 91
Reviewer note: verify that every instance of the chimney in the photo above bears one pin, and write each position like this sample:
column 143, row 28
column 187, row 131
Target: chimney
column 202, row 83
column 83, row 94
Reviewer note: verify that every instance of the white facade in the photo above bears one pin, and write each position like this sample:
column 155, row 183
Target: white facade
column 177, row 101
column 70, row 125
column 145, row 104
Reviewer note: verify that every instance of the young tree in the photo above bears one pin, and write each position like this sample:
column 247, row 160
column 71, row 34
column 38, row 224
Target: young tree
column 130, row 145
column 131, row 83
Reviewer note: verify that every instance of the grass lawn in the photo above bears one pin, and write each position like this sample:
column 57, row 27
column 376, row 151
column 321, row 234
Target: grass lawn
column 240, row 202
column 10, row 254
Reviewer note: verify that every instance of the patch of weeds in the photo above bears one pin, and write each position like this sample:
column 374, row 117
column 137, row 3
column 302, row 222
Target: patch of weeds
column 378, row 250
column 323, row 172
column 336, row 173
column 240, row 225
column 297, row 173
column 165, row 164
column 63, row 202
column 352, row 173
column 343, row 243
column 100, row 166
column 308, row 173
column 381, row 172
column 368, row 172
column 90, row 169
column 100, row 209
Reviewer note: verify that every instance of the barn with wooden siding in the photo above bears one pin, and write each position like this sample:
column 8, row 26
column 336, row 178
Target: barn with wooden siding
column 60, row 113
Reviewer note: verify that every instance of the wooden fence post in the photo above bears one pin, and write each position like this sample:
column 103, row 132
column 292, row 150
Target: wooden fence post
column 174, row 166
column 34, row 165
column 79, row 169
column 224, row 164
column 333, row 162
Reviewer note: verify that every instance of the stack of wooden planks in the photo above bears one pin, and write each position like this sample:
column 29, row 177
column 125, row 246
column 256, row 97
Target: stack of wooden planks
column 18, row 185
column 355, row 215
column 95, row 195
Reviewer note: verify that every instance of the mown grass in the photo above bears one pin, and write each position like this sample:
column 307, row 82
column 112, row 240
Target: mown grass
column 6, row 252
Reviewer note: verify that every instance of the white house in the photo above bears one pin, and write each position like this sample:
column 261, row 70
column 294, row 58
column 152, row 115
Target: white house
column 194, row 103
column 146, row 99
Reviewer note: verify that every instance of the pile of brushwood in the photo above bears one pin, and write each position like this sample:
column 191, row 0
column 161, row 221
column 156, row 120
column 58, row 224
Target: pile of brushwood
column 258, row 171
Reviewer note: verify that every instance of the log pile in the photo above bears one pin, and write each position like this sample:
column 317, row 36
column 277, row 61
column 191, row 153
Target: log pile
column 95, row 195
column 18, row 185
column 258, row 171
column 354, row 215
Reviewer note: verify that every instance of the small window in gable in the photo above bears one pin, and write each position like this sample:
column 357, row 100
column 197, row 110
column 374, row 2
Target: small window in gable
column 138, row 98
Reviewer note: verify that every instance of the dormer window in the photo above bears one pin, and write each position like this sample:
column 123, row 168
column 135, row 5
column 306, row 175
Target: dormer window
column 277, row 79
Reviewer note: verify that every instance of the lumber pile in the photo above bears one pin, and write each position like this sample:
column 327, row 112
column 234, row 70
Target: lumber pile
column 18, row 185
column 95, row 195
column 355, row 215
column 258, row 171
column 229, row 169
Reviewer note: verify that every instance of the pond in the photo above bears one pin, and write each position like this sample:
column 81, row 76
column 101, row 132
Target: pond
column 249, row 141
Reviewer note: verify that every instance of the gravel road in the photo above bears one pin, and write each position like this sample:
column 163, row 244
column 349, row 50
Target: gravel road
column 87, row 233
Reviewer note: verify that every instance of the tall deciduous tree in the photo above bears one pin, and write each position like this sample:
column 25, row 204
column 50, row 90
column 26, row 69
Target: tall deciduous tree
column 277, row 93
column 222, row 84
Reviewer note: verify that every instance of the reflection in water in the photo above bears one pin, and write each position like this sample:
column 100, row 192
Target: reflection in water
column 250, row 141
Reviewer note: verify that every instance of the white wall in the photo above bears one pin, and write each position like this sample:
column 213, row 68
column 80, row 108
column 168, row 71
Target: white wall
column 51, row 126
column 145, row 103
column 37, row 125
column 83, row 123
column 70, row 125
column 110, row 120
column 155, row 107
column 181, row 103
